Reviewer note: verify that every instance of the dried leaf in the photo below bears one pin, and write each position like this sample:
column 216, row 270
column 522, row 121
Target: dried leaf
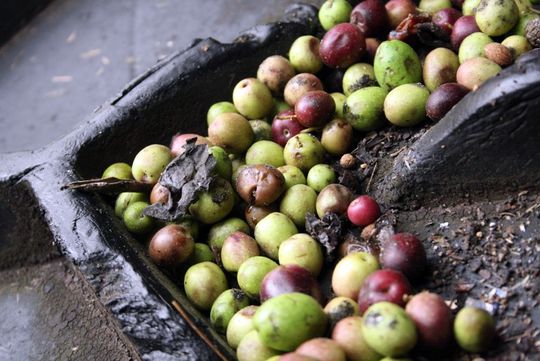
column 327, row 231
column 185, row 177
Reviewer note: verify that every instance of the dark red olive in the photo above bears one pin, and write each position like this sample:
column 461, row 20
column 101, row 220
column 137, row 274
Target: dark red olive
column 363, row 210
column 260, row 184
column 443, row 99
column 446, row 18
column 285, row 126
column 171, row 246
column 405, row 253
column 342, row 46
column 290, row 278
column 315, row 109
column 370, row 17
column 463, row 27
column 384, row 285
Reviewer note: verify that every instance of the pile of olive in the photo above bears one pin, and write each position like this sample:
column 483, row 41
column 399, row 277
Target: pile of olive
column 277, row 145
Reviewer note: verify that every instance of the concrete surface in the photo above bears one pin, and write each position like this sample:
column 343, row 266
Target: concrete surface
column 75, row 55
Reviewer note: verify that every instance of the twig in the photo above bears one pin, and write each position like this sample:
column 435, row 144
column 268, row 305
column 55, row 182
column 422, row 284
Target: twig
column 108, row 185
column 371, row 177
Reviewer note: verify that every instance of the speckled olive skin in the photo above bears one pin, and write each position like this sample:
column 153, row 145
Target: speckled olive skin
column 240, row 325
column 517, row 44
column 274, row 72
column 262, row 130
column 473, row 46
column 334, row 198
column 440, row 67
column 304, row 54
column 251, row 348
column 150, row 162
column 118, row 170
column 388, row 329
column 293, row 175
column 358, row 76
column 333, row 12
column 252, row 272
column 496, row 17
column 336, row 137
column 252, row 98
column 364, row 109
column 476, row 71
column 272, row 230
column 474, row 329
column 214, row 204
column 225, row 306
column 405, row 106
column 302, row 250
column 265, row 152
column 299, row 85
column 297, row 201
column 303, row 151
column 231, row 132
column 284, row 322
column 203, row 283
column 396, row 63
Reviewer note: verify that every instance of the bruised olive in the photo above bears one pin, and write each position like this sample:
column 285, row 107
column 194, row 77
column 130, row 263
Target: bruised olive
column 440, row 67
column 443, row 99
column 334, row 198
column 259, row 184
column 336, row 137
column 159, row 194
column 275, row 71
column 299, row 85
column 171, row 246
column 254, row 214
column 237, row 248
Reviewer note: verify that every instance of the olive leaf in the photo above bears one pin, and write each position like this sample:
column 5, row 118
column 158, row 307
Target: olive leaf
column 327, row 231
column 186, row 176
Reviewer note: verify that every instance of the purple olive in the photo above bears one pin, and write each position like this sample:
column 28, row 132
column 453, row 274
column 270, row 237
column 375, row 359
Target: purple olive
column 443, row 99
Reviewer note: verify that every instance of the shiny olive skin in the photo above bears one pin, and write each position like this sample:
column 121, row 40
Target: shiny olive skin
column 260, row 184
column 171, row 246
column 443, row 99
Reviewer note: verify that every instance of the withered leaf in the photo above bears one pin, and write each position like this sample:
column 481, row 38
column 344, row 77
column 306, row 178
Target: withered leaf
column 185, row 177
column 327, row 231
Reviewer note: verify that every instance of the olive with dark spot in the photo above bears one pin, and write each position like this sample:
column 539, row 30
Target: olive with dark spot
column 299, row 85
column 336, row 137
column 274, row 72
column 260, row 184
column 440, row 67
column 225, row 306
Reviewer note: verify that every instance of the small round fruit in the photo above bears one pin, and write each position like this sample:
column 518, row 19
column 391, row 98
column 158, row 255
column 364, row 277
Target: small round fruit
column 336, row 137
column 286, row 321
column 124, row 199
column 302, row 250
column 473, row 46
column 314, row 109
column 342, row 46
column 445, row 19
column 433, row 6
column 350, row 273
column 405, row 253
column 474, row 72
column 405, row 105
column 260, row 184
column 339, row 308
column 220, row 231
column 384, row 285
column 159, row 194
column 240, row 325
column 265, row 152
column 252, row 348
column 254, row 214
column 119, row 171
column 219, row 108
column 339, row 99
column 443, row 99
column 261, row 130
column 252, row 98
column 358, row 76
column 322, row 349
column 469, row 7
column 440, row 67
column 388, row 329
column 201, row 253
column 496, row 17
column 333, row 12
column 304, row 55
column 231, row 132
column 150, row 162
column 135, row 221
column 398, row 10
column 272, row 230
column 252, row 272
column 287, row 279
column 474, row 329
column 285, row 126
column 299, row 85
column 225, row 307
column 297, row 202
column 319, row 176
column 463, row 27
column 215, row 204
column 178, row 142
column 274, row 72
column 237, row 248
column 223, row 162
column 363, row 211
column 370, row 16
column 517, row 44
column 334, row 198
column 293, row 175
column 396, row 63
column 433, row 319
column 364, row 109
column 303, row 151
column 203, row 283
column 171, row 246
column 348, row 335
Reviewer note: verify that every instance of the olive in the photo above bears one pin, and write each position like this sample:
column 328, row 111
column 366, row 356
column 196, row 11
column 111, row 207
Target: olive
column 252, row 348
column 231, row 132
column 237, row 248
column 337, row 136
column 215, row 204
column 303, row 151
column 298, row 201
column 304, row 55
column 319, row 176
column 134, row 219
column 171, row 246
column 203, row 283
column 443, row 99
column 252, row 98
column 334, row 198
column 333, row 12
column 265, row 152
column 405, row 105
column 293, row 175
column 150, row 162
column 125, row 199
column 159, row 194
column 302, row 250
column 474, row 329
column 261, row 130
column 240, row 325
column 225, row 307
column 274, row 72
column 254, row 214
column 272, row 230
column 118, row 170
column 218, row 108
column 252, row 272
column 358, row 76
column 220, row 231
column 474, row 72
column 259, row 184
column 299, row 85
column 178, row 142
column 440, row 67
